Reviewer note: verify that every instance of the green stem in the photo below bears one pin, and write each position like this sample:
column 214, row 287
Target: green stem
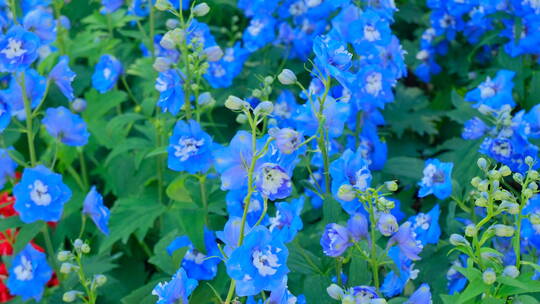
column 29, row 127
column 159, row 161
column 152, row 31
column 49, row 245
column 230, row 294
column 516, row 240
column 373, row 259
column 202, row 188
column 84, row 171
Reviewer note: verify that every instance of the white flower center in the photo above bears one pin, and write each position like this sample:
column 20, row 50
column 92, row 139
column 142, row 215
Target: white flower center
column 187, row 147
column 255, row 27
column 374, row 84
column 107, row 73
column 195, row 256
column 275, row 221
column 487, row 89
column 273, row 179
column 503, row 149
column 313, row 3
column 218, row 70
column 423, row 221
column 266, row 261
column 39, row 193
column 371, row 33
column 24, row 271
column 14, row 49
column 362, row 177
column 298, row 8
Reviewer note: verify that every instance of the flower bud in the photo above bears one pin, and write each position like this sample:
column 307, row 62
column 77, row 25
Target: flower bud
column 256, row 93
column 201, row 9
column 518, row 177
column 483, row 186
column 63, row 255
column 100, row 280
column 494, row 174
column 533, row 186
column 346, row 193
column 509, row 207
column 529, row 160
column 234, row 103
column 213, row 53
column 70, row 296
column 85, row 248
column 348, row 299
column 505, row 171
column 489, row 276
column 264, row 108
column 475, row 181
column 77, row 244
column 206, row 99
column 470, row 230
column 167, row 41
column 511, row 271
column 503, row 230
column 66, row 268
column 241, row 118
column 384, row 204
column 481, row 202
column 528, row 193
column 335, row 292
column 358, row 226
column 287, row 77
column 391, row 185
column 458, row 240
column 533, row 174
column 482, row 163
column 162, row 64
column 387, row 224
column 501, row 195
column 79, row 105
column 163, row 5
column 172, row 23
column 268, row 80
column 534, row 218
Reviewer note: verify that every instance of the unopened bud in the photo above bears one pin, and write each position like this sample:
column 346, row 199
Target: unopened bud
column 100, row 280
column 241, row 118
column 489, row 276
column 234, row 103
column 503, row 230
column 533, row 174
column 470, row 230
column 335, row 292
column 346, row 193
column 264, row 108
column 85, row 248
column 213, row 53
column 518, row 177
column 163, row 5
column 268, row 80
column 505, row 171
column 511, row 271
column 162, row 64
column 391, row 186
column 66, row 268
column 77, row 244
column 201, row 9
column 529, row 160
column 63, row 255
column 79, row 105
column 458, row 240
column 482, row 163
column 287, row 77
column 70, row 296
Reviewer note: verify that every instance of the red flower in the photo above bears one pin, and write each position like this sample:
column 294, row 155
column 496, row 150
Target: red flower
column 5, row 296
column 6, row 205
column 7, row 238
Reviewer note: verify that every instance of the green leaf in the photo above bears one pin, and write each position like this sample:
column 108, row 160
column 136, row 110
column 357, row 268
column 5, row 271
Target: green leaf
column 26, row 234
column 130, row 215
column 463, row 110
column 177, row 190
column 10, row 222
column 410, row 112
column 315, row 289
column 143, row 295
column 303, row 261
column 359, row 272
column 332, row 210
column 161, row 257
column 193, row 224
column 404, row 168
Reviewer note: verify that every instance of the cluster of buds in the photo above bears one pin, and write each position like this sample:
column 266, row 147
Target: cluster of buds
column 72, row 263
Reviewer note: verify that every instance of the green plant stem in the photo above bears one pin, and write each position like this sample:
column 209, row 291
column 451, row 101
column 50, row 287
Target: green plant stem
column 321, row 140
column 84, row 172
column 29, row 127
column 516, row 240
column 152, row 31
column 202, row 188
column 49, row 245
column 373, row 259
column 185, row 57
column 230, row 294
column 159, row 161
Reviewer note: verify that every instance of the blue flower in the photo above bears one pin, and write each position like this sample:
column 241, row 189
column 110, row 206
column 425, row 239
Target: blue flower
column 421, row 296
column 260, row 263
column 369, row 29
column 282, row 295
column 171, row 91
column 257, row 7
column 426, row 226
column 7, row 167
column 176, row 290
column 387, row 224
column 110, row 6
column 235, row 205
column 494, row 93
column 63, row 76
column 198, row 265
column 35, row 85
column 456, row 280
column 373, row 85
column 231, row 233
column 29, row 273
column 406, row 242
column 260, row 32
column 65, row 126
column 40, row 195
column 331, row 56
column 106, row 73
column 199, row 34
column 350, row 169
column 221, row 74
column 5, row 115
column 287, row 221
column 94, row 207
column 358, row 226
column 510, row 151
column 437, row 179
column 395, row 281
column 474, row 128
column 335, row 113
column 40, row 21
column 18, row 49
column 335, row 240
column 190, row 148
column 273, row 181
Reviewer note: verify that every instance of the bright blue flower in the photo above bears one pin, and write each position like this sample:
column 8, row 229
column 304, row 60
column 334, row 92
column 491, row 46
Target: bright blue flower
column 253, row 8
column 18, row 49
column 374, row 150
column 272, row 181
column 260, row 263
column 358, row 226
column 190, row 148
column 284, row 109
column 331, row 56
column 369, row 29
column 176, row 290
column 40, row 21
column 426, row 226
column 437, row 179
column 510, row 151
column 282, row 295
column 63, row 76
column 335, row 113
column 198, row 265
column 40, row 195
column 494, row 93
column 110, row 6
column 394, row 282
column 7, row 167
column 421, row 296
column 221, row 74
column 28, row 274
column 65, row 126
column 350, row 169
column 231, row 234
column 373, row 85
column 5, row 115
column 527, row 40
column 199, row 33
column 474, row 128
column 235, row 205
column 35, row 90
column 387, row 224
column 170, row 85
column 287, row 221
column 28, row 5
column 107, row 71
column 335, row 240
column 233, row 161
column 287, row 139
column 98, row 212
column 406, row 241
column 260, row 32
